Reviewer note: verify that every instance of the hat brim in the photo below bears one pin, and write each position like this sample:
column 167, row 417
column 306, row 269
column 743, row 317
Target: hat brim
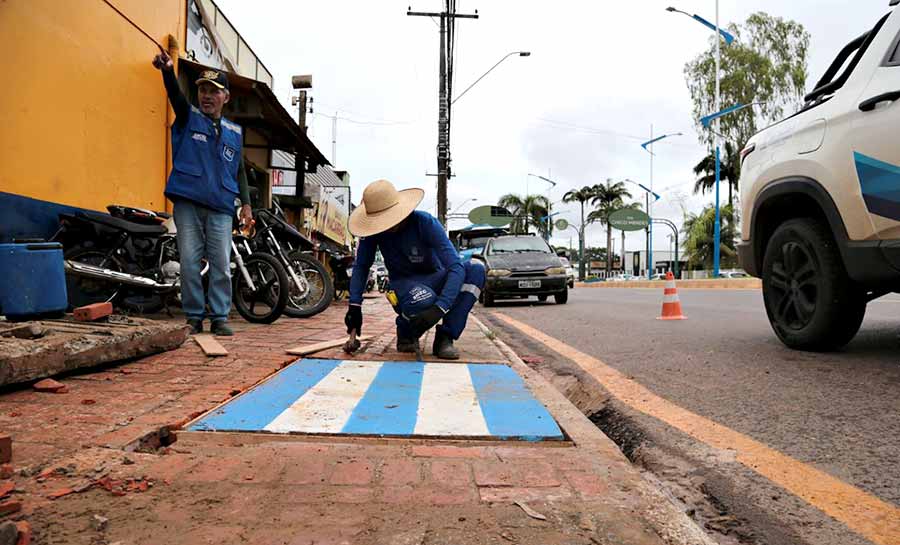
column 204, row 80
column 364, row 224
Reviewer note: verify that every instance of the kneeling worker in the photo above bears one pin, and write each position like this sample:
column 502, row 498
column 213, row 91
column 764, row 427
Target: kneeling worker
column 428, row 281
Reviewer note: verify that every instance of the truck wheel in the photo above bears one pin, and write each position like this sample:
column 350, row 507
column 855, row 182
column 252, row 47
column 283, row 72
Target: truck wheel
column 810, row 300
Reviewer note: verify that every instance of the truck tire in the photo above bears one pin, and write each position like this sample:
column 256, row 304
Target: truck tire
column 810, row 300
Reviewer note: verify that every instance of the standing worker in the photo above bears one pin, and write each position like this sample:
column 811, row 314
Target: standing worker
column 207, row 175
column 428, row 281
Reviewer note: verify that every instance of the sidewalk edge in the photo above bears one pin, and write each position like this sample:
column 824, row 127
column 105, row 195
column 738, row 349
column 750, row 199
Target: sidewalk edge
column 668, row 520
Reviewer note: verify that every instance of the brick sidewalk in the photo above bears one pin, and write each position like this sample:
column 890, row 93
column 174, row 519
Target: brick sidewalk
column 263, row 489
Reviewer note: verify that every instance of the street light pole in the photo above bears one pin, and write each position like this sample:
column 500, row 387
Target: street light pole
column 552, row 185
column 645, row 145
column 508, row 55
column 718, row 228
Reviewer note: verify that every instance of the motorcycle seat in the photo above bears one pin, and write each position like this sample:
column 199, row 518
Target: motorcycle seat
column 122, row 225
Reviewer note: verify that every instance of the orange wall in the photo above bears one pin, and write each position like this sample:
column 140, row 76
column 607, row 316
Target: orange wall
column 83, row 116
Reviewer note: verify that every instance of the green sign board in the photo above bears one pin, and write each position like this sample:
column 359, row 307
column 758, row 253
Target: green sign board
column 561, row 224
column 629, row 220
column 494, row 216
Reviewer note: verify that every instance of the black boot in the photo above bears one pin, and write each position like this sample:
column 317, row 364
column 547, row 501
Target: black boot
column 406, row 346
column 443, row 346
column 221, row 329
column 196, row 326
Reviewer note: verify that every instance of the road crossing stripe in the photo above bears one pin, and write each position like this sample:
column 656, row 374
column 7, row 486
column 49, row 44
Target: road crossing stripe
column 326, row 407
column 508, row 407
column 390, row 405
column 876, row 520
column 448, row 404
column 269, row 399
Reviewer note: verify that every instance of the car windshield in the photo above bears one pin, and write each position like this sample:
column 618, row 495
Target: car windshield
column 515, row 245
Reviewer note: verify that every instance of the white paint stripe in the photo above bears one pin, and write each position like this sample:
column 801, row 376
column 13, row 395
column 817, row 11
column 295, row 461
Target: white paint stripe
column 670, row 298
column 670, row 285
column 448, row 404
column 471, row 288
column 327, row 406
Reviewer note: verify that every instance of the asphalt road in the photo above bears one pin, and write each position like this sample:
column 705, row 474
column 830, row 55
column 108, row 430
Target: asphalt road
column 838, row 412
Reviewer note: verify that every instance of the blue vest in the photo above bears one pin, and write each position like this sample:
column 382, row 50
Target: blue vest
column 205, row 167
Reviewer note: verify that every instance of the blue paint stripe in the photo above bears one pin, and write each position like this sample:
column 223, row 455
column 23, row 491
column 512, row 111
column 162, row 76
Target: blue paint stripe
column 876, row 177
column 391, row 404
column 509, row 408
column 258, row 407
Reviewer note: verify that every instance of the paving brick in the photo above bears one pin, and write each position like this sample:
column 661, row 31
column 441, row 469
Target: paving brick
column 514, row 494
column 89, row 313
column 353, row 472
column 310, row 470
column 521, row 473
column 441, row 451
column 451, row 473
column 211, row 470
column 425, row 496
column 5, row 448
column 24, row 529
column 324, row 494
column 396, row 472
column 9, row 507
column 6, row 471
column 588, row 485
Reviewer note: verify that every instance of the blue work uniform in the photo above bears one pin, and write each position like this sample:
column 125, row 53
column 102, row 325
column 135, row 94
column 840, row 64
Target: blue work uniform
column 424, row 270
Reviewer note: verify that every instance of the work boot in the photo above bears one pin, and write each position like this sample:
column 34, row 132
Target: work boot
column 406, row 346
column 443, row 346
column 196, row 326
column 220, row 329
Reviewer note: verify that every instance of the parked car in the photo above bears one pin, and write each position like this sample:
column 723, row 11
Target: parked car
column 522, row 266
column 622, row 277
column 570, row 272
column 734, row 274
column 819, row 197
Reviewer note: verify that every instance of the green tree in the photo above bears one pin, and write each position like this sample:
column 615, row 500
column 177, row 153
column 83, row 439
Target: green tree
column 767, row 63
column 699, row 237
column 580, row 196
column 607, row 199
column 729, row 171
column 526, row 211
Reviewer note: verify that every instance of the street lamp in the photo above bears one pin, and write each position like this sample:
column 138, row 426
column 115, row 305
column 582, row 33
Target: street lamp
column 728, row 39
column 648, row 147
column 552, row 185
column 463, row 204
column 649, row 229
column 508, row 55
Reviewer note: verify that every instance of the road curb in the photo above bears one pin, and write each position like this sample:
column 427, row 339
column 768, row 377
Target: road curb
column 658, row 507
column 721, row 284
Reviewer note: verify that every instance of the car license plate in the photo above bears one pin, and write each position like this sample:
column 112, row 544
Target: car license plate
column 529, row 284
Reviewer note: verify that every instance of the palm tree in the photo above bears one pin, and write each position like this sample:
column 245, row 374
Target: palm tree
column 699, row 233
column 526, row 211
column 729, row 171
column 581, row 196
column 607, row 199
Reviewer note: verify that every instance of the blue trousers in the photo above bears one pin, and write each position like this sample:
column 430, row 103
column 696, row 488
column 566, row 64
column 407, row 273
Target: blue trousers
column 420, row 292
column 204, row 233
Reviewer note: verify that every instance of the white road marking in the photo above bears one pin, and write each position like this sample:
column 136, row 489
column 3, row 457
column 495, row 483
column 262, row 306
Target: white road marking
column 448, row 404
column 327, row 406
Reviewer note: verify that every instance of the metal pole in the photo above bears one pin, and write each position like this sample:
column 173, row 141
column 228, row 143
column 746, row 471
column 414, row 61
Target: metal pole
column 443, row 144
column 334, row 139
column 718, row 229
column 650, row 213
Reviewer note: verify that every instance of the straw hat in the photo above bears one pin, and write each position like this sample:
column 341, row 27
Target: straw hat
column 383, row 207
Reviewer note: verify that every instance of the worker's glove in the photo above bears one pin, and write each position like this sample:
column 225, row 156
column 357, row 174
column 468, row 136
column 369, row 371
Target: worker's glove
column 353, row 319
column 163, row 62
column 425, row 320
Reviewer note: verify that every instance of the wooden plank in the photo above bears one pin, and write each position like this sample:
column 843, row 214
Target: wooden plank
column 210, row 345
column 324, row 345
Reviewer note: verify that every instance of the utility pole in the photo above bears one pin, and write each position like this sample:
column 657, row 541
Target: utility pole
column 447, row 25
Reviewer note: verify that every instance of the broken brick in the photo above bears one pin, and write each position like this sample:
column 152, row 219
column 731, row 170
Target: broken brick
column 14, row 414
column 6, row 489
column 9, row 507
column 5, row 448
column 60, row 493
column 6, row 471
column 49, row 385
column 88, row 401
column 24, row 532
column 90, row 313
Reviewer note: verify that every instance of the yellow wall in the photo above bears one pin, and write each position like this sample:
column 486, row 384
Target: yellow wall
column 83, row 117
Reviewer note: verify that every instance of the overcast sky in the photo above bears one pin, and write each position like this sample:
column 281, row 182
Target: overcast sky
column 600, row 73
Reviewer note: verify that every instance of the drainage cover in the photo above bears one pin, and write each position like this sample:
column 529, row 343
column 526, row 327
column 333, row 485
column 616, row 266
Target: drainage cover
column 399, row 399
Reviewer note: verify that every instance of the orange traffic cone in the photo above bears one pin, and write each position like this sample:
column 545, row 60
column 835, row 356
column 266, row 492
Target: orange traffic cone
column 671, row 309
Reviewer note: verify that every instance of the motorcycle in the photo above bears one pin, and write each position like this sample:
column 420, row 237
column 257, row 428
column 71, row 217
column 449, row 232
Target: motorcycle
column 342, row 269
column 130, row 257
column 311, row 287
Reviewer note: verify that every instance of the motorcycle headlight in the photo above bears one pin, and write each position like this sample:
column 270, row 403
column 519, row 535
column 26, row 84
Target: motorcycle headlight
column 555, row 270
column 499, row 272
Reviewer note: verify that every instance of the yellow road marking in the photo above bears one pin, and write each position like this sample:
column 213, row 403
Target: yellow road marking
column 876, row 520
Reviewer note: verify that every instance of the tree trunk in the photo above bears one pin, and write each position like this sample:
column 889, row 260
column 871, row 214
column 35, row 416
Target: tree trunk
column 608, row 250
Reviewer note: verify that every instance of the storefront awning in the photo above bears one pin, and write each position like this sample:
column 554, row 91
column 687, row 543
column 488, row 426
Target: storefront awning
column 253, row 105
